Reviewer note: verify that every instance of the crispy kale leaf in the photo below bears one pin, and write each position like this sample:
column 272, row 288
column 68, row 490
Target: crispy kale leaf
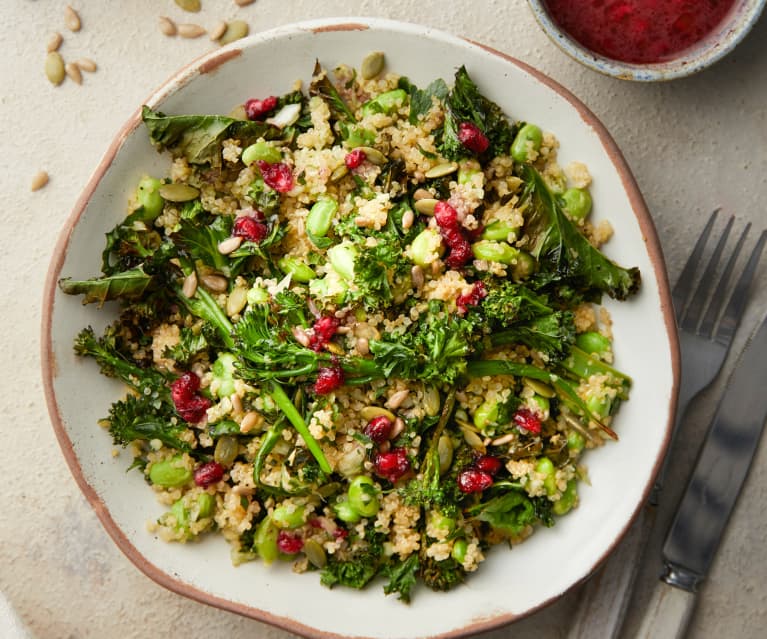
column 145, row 419
column 324, row 88
column 440, row 575
column 421, row 99
column 189, row 345
column 375, row 270
column 198, row 138
column 509, row 513
column 466, row 104
column 561, row 249
column 357, row 570
column 402, row 577
column 126, row 285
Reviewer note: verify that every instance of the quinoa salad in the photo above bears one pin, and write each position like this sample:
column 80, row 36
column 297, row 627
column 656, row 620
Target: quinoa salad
column 360, row 328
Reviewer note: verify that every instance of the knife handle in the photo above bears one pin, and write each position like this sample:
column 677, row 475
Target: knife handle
column 668, row 614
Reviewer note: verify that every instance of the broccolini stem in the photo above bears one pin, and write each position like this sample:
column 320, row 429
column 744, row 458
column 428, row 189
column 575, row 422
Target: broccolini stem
column 204, row 306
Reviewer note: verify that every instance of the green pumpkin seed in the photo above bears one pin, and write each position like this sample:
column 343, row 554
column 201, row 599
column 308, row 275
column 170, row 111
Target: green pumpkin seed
column 445, row 452
column 178, row 192
column 315, row 553
column 373, row 155
column 372, row 65
column 54, row 68
column 441, row 170
column 369, row 412
column 431, row 402
column 236, row 300
column 226, row 451
column 544, row 390
column 192, row 6
column 426, row 206
column 235, row 30
column 338, row 173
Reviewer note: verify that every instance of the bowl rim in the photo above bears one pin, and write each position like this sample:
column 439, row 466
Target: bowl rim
column 681, row 67
column 210, row 62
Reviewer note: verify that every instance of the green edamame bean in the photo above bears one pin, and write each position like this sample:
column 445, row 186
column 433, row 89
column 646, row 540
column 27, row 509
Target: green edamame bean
column 529, row 137
column 545, row 467
column 257, row 295
column 261, row 150
column 575, row 441
column 363, row 496
column 524, row 266
column 436, row 519
column 486, row 415
column 498, row 231
column 345, row 512
column 170, row 473
column 467, row 170
column 359, row 136
column 593, row 342
column 577, row 203
column 459, row 550
column 543, row 405
column 566, row 502
column 180, row 513
column 494, row 251
column 223, row 373
column 300, row 271
column 289, row 516
column 342, row 257
column 265, row 540
column 206, row 504
column 599, row 406
column 148, row 196
column 385, row 103
column 320, row 216
column 320, row 288
column 426, row 247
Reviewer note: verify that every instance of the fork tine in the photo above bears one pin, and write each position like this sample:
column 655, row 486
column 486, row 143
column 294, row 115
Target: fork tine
column 731, row 317
column 694, row 312
column 684, row 282
column 723, row 290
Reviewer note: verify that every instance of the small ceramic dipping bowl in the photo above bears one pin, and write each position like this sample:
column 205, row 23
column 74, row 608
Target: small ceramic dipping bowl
column 719, row 41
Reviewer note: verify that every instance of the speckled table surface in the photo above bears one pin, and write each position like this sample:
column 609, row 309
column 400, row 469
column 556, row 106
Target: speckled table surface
column 693, row 144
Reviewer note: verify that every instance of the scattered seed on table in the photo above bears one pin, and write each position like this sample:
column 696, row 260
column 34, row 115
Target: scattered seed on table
column 190, row 30
column 235, row 30
column 217, row 31
column 73, row 71
column 193, row 6
column 54, row 42
column 54, row 68
column 167, row 26
column 39, row 181
column 71, row 18
column 243, row 3
column 86, row 64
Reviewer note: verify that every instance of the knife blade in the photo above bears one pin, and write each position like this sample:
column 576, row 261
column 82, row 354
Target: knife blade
column 711, row 493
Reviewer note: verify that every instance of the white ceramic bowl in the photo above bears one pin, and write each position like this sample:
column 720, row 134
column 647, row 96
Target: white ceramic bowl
column 511, row 583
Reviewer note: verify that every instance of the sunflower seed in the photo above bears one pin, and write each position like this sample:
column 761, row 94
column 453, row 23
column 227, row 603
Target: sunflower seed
column 441, row 170
column 396, row 400
column 334, row 348
column 39, row 181
column 243, row 3
column 473, row 440
column 73, row 71
column 192, row 6
column 369, row 412
column 250, row 421
column 86, row 64
column 431, row 401
column 71, row 19
column 190, row 285
column 397, row 428
column 54, row 67
column 408, row 217
column 426, row 206
column 229, row 244
column 167, row 26
column 422, row 194
column 363, row 345
column 301, row 336
column 372, row 65
column 178, row 192
column 236, row 300
column 236, row 403
column 217, row 31
column 417, row 276
column 503, row 439
column 54, row 42
column 235, row 30
column 215, row 283
column 190, row 31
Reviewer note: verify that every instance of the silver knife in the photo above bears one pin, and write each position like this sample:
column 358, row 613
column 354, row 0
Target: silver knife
column 711, row 493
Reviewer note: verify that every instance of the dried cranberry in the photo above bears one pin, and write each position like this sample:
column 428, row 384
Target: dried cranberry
column 257, row 109
column 329, row 378
column 488, row 464
column 354, row 158
column 184, row 387
column 392, row 465
column 323, row 330
column 277, row 175
column 472, row 298
column 379, row 429
column 340, row 533
column 460, row 250
column 455, row 238
column 472, row 137
column 445, row 215
column 249, row 228
column 527, row 419
column 289, row 543
column 193, row 408
column 208, row 474
column 473, row 480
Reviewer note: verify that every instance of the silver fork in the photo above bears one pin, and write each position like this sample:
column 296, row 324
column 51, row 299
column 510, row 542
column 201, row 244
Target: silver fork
column 707, row 316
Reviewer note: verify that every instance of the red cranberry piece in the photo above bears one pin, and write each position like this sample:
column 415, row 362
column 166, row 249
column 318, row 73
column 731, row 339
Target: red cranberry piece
column 472, row 298
column 340, row 533
column 392, row 465
column 323, row 330
column 257, row 109
column 470, row 135
column 460, row 251
column 184, row 387
column 473, row 480
column 488, row 464
column 208, row 474
column 289, row 543
column 193, row 408
column 249, row 228
column 354, row 158
column 379, row 429
column 527, row 419
column 277, row 175
column 445, row 215
column 329, row 378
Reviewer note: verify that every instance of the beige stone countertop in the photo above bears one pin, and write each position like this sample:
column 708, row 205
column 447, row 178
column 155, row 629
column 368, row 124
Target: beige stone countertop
column 693, row 144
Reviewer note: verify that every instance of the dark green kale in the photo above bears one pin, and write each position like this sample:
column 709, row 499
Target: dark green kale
column 324, row 88
column 145, row 418
column 440, row 575
column 465, row 103
column 357, row 570
column 126, row 285
column 264, row 198
column 375, row 271
column 509, row 513
column 402, row 577
column 190, row 345
column 421, row 100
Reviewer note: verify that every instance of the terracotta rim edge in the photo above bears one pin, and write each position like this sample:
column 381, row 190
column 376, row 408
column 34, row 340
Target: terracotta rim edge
column 211, row 62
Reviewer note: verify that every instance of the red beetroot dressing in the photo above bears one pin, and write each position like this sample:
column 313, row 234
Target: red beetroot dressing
column 638, row 31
